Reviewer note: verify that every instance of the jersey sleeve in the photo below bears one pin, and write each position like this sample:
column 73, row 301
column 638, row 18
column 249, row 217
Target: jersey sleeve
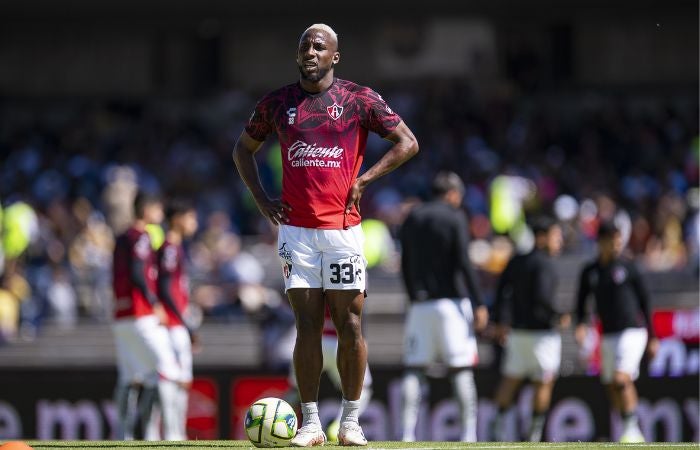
column 259, row 125
column 379, row 118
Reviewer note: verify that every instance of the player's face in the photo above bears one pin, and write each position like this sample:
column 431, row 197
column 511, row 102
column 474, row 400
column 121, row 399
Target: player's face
column 316, row 55
column 153, row 213
column 555, row 240
column 189, row 223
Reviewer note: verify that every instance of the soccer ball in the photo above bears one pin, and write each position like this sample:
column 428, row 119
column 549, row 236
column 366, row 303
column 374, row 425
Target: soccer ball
column 270, row 422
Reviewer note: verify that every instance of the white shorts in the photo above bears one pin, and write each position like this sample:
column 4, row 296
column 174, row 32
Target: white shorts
column 182, row 345
column 534, row 354
column 328, row 259
column 440, row 330
column 622, row 352
column 329, row 346
column 144, row 352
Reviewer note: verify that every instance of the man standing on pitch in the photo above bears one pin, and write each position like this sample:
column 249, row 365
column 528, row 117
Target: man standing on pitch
column 441, row 323
column 622, row 304
column 527, row 322
column 322, row 124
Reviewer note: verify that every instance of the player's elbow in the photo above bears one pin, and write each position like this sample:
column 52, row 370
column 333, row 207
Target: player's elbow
column 411, row 146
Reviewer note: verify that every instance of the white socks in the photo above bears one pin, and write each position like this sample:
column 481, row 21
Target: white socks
column 465, row 388
column 410, row 393
column 309, row 412
column 351, row 411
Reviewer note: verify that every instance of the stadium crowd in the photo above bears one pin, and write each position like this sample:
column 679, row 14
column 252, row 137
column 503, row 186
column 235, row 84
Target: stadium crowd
column 70, row 170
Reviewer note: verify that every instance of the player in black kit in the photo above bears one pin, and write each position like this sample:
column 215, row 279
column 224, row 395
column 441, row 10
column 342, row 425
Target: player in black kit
column 622, row 304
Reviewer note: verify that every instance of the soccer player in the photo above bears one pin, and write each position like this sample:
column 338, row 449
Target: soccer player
column 528, row 323
column 173, row 292
column 322, row 124
column 443, row 291
column 622, row 304
column 142, row 360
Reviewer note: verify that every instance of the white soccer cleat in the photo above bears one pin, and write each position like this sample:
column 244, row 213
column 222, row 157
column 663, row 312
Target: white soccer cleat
column 350, row 433
column 309, row 435
column 632, row 437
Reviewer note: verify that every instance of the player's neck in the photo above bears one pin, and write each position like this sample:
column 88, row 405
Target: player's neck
column 315, row 87
column 139, row 224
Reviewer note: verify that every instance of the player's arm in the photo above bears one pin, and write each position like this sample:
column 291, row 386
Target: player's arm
column 584, row 290
column 244, row 158
column 165, row 295
column 481, row 313
column 140, row 252
column 404, row 148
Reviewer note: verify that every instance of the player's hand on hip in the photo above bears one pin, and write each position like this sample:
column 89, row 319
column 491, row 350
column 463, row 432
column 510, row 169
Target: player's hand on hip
column 275, row 210
column 652, row 347
column 160, row 313
column 481, row 318
column 354, row 196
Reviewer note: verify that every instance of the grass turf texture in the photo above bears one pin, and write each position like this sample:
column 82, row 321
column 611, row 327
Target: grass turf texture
column 221, row 445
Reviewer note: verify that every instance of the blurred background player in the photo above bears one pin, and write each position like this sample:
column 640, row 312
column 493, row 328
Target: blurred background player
column 322, row 125
column 173, row 292
column 442, row 288
column 622, row 304
column 527, row 323
column 137, row 316
column 329, row 345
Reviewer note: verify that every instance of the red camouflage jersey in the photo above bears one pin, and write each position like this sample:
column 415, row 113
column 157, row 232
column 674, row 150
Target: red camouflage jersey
column 322, row 137
column 171, row 261
column 129, row 300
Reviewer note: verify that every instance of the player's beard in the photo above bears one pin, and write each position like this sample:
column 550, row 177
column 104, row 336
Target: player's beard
column 320, row 73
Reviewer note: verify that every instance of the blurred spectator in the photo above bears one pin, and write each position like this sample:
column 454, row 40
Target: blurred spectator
column 14, row 289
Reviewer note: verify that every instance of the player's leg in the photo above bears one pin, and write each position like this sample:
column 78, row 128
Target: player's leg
column 344, row 270
column 547, row 352
column 126, row 389
column 630, row 351
column 418, row 353
column 346, row 311
column 182, row 345
column 457, row 345
column 308, row 360
column 301, row 267
column 514, row 369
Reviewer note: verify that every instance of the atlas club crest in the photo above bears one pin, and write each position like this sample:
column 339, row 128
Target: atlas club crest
column 334, row 111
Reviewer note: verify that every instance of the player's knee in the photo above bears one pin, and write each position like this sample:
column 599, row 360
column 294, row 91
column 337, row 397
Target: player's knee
column 350, row 333
column 621, row 380
column 308, row 326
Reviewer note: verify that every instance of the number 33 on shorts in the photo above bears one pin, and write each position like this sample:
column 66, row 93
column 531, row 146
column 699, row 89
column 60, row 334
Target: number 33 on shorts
column 316, row 258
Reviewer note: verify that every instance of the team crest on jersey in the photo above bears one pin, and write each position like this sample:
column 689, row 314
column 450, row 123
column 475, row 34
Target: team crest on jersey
column 619, row 275
column 291, row 114
column 334, row 111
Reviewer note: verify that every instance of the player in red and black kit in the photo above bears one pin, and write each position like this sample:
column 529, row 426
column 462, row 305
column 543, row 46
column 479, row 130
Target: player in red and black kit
column 173, row 292
column 136, row 314
column 322, row 125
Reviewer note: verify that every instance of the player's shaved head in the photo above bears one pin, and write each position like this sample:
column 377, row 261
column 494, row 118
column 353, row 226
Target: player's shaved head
column 322, row 27
column 316, row 56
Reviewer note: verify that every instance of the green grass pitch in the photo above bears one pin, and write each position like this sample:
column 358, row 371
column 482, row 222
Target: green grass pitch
column 222, row 445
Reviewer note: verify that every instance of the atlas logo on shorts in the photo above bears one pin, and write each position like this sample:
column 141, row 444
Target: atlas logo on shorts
column 286, row 255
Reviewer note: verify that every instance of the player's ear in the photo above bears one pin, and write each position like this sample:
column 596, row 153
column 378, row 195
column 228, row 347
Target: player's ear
column 336, row 57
